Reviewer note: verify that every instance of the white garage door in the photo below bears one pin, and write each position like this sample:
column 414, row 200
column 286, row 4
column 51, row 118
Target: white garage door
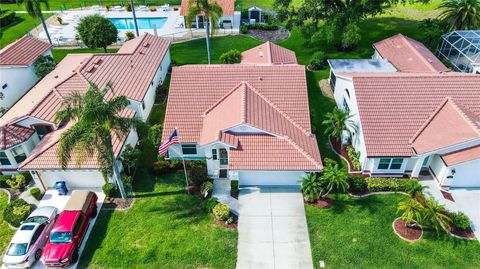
column 74, row 179
column 467, row 175
column 269, row 177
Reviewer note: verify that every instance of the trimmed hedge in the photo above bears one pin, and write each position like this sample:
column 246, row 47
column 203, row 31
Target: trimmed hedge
column 16, row 212
column 36, row 193
column 7, row 18
column 377, row 184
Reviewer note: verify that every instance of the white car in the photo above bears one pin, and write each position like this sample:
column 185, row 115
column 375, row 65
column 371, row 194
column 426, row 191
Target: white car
column 25, row 248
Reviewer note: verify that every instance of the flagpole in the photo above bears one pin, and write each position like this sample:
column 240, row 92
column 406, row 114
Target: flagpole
column 183, row 160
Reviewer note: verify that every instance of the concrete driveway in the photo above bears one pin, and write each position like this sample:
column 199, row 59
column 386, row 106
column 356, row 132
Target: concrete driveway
column 272, row 229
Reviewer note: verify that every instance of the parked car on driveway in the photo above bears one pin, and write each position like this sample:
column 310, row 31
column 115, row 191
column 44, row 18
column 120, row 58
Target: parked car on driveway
column 69, row 230
column 26, row 245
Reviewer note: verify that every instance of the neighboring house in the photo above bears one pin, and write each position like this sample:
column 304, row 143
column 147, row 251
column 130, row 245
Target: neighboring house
column 250, row 122
column 17, row 69
column 135, row 71
column 462, row 50
column 229, row 20
column 419, row 118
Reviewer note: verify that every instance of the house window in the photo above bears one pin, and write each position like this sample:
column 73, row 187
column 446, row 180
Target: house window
column 223, row 157
column 393, row 164
column 384, row 163
column 143, row 105
column 214, row 154
column 19, row 154
column 42, row 130
column 4, row 159
column 189, row 149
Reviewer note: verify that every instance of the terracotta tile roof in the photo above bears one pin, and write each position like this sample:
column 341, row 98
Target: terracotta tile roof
column 12, row 134
column 268, row 53
column 393, row 107
column 461, row 156
column 409, row 55
column 23, row 52
column 45, row 154
column 448, row 125
column 196, row 88
column 228, row 6
column 196, row 105
column 266, row 152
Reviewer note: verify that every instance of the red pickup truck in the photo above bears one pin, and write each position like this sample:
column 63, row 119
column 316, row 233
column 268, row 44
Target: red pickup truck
column 69, row 230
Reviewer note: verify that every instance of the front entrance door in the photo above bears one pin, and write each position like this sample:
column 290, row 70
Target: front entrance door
column 220, row 162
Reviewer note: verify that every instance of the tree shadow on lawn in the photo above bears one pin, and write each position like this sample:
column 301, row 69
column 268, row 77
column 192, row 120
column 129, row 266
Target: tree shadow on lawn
column 371, row 204
column 18, row 20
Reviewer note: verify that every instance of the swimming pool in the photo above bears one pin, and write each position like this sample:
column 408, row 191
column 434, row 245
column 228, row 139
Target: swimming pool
column 143, row 23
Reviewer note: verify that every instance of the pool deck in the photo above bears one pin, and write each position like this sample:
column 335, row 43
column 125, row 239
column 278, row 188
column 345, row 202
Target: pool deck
column 64, row 35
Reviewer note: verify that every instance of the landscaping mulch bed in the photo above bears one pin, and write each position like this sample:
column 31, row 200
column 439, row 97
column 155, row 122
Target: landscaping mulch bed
column 273, row 36
column 117, row 204
column 337, row 146
column 407, row 233
column 232, row 225
column 467, row 234
column 196, row 190
column 320, row 203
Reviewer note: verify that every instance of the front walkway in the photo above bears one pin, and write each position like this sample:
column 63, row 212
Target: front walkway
column 465, row 200
column 272, row 229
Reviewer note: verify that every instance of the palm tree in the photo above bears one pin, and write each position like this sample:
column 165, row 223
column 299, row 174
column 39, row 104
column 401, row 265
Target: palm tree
column 411, row 211
column 311, row 186
column 212, row 13
column 461, row 14
column 95, row 121
column 434, row 214
column 334, row 176
column 34, row 9
column 338, row 122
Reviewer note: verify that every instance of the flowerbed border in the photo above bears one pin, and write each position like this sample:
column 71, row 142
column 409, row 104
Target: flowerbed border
column 403, row 238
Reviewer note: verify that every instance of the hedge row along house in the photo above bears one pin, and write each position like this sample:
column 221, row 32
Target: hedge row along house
column 29, row 137
column 249, row 121
column 414, row 115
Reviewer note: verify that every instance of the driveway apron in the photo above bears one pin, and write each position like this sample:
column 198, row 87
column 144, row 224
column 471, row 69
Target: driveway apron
column 272, row 229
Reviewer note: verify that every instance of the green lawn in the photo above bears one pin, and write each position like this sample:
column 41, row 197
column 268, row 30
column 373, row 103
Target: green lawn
column 6, row 232
column 22, row 26
column 59, row 54
column 165, row 228
column 357, row 233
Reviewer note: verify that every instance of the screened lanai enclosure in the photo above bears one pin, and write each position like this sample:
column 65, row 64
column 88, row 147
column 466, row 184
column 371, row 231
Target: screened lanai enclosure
column 461, row 49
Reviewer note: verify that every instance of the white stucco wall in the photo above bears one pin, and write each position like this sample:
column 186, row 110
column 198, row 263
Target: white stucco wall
column 19, row 80
column 74, row 178
column 175, row 152
column 255, row 177
column 438, row 167
column 467, row 175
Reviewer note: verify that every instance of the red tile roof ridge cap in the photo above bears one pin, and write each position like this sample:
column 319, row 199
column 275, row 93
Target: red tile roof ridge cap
column 422, row 58
column 298, row 126
column 219, row 101
column 429, row 119
column 303, row 152
column 269, row 52
column 447, row 99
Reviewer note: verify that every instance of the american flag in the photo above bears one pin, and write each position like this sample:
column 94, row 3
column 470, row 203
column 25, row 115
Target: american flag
column 173, row 139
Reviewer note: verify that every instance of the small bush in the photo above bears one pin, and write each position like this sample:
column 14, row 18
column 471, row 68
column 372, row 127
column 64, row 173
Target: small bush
column 128, row 7
column 161, row 167
column 206, row 188
column 152, row 9
column 357, row 184
column 109, row 189
column 231, row 57
column 17, row 182
column 155, row 134
column 3, row 181
column 16, row 212
column 198, row 175
column 221, row 211
column 44, row 65
column 36, row 193
column 354, row 157
column 129, row 35
column 7, row 18
column 210, row 204
column 243, row 29
column 234, row 187
column 318, row 61
column 460, row 221
column 28, row 177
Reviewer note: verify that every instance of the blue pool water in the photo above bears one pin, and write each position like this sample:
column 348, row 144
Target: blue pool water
column 143, row 23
